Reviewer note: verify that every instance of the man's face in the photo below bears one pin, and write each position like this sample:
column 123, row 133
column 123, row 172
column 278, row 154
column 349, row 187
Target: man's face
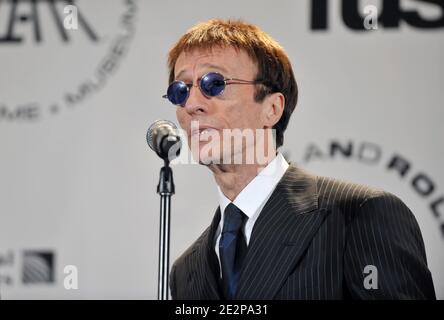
column 235, row 108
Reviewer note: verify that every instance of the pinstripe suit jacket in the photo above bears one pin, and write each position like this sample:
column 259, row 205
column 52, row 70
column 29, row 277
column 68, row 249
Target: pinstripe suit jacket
column 313, row 240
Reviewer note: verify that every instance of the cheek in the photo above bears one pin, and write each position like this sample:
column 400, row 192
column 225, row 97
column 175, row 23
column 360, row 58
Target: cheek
column 245, row 115
column 181, row 116
column 245, row 112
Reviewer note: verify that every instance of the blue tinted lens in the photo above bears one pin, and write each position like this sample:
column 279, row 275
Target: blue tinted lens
column 212, row 84
column 177, row 92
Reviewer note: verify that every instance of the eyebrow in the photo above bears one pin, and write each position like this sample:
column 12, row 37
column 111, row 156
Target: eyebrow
column 206, row 65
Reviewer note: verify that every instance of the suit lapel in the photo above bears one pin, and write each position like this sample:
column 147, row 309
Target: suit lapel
column 205, row 265
column 283, row 231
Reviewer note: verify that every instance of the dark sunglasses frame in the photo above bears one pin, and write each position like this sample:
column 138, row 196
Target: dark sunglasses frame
column 205, row 76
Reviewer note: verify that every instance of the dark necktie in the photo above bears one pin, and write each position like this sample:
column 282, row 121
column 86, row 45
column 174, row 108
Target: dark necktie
column 232, row 249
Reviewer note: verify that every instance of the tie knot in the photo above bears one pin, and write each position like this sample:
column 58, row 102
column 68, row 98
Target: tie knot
column 233, row 219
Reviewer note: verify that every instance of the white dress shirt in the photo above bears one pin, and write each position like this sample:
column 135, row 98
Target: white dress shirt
column 253, row 197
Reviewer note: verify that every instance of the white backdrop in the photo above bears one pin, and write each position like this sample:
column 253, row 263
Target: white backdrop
column 78, row 182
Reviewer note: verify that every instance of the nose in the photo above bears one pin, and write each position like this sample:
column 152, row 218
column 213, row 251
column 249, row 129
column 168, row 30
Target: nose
column 196, row 103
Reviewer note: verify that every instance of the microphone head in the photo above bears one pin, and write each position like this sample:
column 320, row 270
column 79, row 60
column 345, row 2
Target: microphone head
column 161, row 137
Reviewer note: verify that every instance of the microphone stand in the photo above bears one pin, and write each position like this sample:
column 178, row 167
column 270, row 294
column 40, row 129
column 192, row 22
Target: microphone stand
column 165, row 189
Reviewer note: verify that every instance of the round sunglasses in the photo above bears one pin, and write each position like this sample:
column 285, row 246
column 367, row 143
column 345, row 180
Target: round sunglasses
column 211, row 84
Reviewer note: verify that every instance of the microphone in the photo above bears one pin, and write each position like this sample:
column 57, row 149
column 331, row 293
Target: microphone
column 163, row 139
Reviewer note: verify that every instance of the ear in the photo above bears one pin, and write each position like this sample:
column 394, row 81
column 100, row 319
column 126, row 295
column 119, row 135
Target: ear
column 273, row 108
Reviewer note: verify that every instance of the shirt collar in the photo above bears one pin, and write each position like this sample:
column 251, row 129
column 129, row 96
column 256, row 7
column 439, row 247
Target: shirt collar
column 259, row 188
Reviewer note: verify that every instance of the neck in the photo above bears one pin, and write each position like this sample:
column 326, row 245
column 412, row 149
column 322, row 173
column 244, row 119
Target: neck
column 233, row 178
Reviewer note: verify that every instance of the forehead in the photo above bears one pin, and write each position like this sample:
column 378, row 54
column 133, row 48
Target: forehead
column 228, row 59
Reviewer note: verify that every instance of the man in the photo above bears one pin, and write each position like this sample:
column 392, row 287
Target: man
column 279, row 232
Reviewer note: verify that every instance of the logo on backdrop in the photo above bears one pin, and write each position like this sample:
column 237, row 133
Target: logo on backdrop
column 391, row 14
column 64, row 52
column 397, row 165
column 30, row 268
column 36, row 267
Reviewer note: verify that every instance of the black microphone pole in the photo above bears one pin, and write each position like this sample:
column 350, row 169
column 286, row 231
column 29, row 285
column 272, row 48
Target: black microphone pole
column 162, row 137
column 165, row 189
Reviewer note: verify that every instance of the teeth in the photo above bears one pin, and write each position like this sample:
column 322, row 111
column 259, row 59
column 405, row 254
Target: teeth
column 201, row 132
column 204, row 131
